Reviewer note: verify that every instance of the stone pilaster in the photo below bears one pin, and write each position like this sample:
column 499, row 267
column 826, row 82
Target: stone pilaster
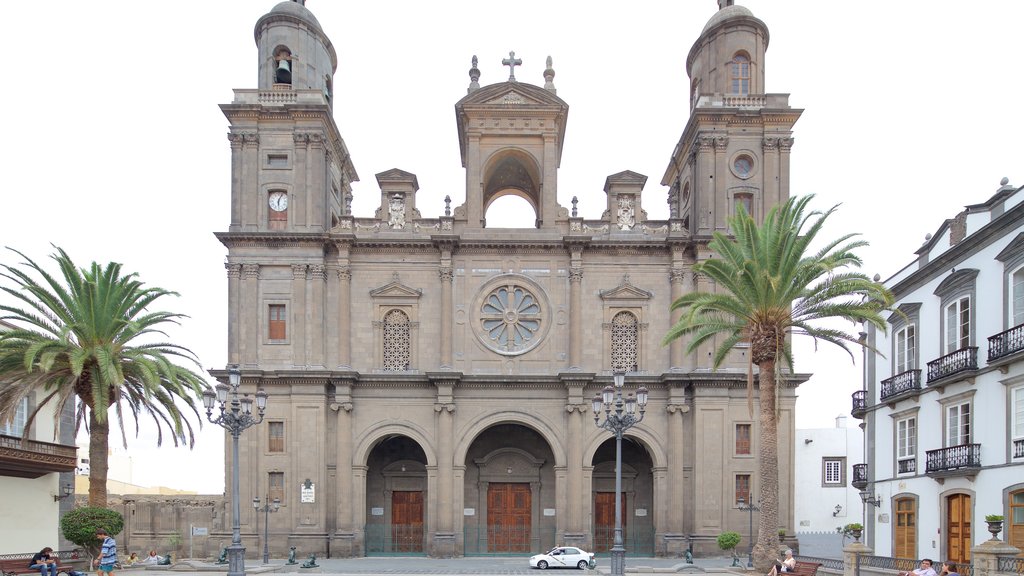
column 234, row 315
column 315, row 305
column 250, row 318
column 298, row 315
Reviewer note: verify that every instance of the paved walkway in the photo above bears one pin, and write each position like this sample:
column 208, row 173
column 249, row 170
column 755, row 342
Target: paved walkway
column 485, row 566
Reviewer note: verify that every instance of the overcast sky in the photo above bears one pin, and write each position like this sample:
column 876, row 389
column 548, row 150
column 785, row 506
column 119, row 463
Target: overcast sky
column 114, row 148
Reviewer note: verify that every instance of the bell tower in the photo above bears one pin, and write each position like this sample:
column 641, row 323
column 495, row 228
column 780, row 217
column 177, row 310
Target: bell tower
column 290, row 168
column 735, row 147
column 511, row 136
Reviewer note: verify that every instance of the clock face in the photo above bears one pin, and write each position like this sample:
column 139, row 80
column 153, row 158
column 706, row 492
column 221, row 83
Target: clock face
column 279, row 201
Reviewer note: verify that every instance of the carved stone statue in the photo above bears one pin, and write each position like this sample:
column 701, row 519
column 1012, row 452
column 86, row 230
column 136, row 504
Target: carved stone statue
column 396, row 209
column 291, row 555
column 626, row 220
column 310, row 562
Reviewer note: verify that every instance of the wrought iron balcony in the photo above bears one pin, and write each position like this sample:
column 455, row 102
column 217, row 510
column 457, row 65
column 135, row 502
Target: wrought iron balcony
column 962, row 460
column 1006, row 343
column 860, row 404
column 900, row 383
column 32, row 459
column 963, row 360
column 1018, row 448
column 906, row 465
column 860, row 476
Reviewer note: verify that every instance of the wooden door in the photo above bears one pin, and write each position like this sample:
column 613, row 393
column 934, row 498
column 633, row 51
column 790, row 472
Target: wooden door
column 407, row 521
column 508, row 517
column 1015, row 521
column 604, row 520
column 905, row 534
column 958, row 528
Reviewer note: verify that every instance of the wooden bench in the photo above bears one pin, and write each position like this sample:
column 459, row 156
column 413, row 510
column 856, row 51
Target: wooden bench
column 15, row 566
column 805, row 568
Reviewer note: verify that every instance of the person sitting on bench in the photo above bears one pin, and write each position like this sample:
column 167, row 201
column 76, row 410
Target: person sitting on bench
column 42, row 561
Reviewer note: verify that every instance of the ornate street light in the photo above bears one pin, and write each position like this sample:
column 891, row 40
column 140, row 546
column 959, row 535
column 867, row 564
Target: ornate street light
column 235, row 416
column 266, row 509
column 619, row 415
column 742, row 505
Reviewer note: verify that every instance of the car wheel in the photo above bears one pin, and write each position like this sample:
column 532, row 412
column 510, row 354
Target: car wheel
column 542, row 565
column 582, row 564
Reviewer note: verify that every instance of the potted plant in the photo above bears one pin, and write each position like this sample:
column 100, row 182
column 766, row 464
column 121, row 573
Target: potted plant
column 854, row 529
column 995, row 524
column 728, row 541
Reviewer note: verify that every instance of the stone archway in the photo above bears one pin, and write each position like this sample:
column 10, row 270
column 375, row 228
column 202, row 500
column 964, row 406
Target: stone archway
column 639, row 496
column 396, row 497
column 509, row 491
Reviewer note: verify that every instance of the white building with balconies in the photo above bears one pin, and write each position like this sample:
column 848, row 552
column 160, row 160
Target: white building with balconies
column 944, row 392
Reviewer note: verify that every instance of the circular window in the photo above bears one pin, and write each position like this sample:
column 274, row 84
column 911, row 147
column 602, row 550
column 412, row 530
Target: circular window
column 743, row 165
column 511, row 315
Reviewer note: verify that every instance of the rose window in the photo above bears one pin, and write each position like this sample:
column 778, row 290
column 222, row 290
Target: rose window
column 511, row 319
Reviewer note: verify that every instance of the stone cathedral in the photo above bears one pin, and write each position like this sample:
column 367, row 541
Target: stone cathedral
column 431, row 377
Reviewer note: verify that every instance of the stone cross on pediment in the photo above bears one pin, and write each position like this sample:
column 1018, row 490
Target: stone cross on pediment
column 512, row 62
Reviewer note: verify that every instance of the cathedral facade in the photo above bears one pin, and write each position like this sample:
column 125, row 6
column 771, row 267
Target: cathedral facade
column 431, row 378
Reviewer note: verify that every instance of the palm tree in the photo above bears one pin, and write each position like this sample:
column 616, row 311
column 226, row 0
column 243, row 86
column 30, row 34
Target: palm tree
column 87, row 334
column 771, row 287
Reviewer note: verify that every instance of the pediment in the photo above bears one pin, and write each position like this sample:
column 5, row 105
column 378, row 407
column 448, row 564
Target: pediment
column 512, row 94
column 626, row 291
column 396, row 289
column 626, row 177
column 1013, row 249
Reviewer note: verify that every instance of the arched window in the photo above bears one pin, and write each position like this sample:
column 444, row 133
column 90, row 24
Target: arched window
column 625, row 332
column 740, row 75
column 396, row 341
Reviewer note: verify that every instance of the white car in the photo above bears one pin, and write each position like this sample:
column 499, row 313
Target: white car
column 563, row 557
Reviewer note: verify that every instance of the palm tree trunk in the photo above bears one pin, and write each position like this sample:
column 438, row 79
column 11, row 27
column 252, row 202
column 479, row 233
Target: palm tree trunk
column 767, row 547
column 99, row 433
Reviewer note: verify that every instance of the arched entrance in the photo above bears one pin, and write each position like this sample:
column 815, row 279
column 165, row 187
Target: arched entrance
column 509, row 492
column 637, row 503
column 396, row 496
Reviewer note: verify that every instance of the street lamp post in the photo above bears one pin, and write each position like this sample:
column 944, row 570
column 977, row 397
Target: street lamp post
column 235, row 416
column 619, row 415
column 266, row 509
column 742, row 505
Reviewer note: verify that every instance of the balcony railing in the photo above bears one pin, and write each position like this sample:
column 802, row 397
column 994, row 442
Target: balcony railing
column 860, row 476
column 906, row 466
column 1006, row 343
column 1018, row 448
column 860, row 404
column 963, row 458
column 900, row 383
column 32, row 459
column 963, row 360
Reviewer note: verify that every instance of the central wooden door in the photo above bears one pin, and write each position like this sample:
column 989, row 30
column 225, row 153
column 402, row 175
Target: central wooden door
column 958, row 528
column 407, row 521
column 508, row 517
column 905, row 534
column 604, row 520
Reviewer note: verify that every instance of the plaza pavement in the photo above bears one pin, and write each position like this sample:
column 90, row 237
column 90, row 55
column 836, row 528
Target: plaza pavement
column 484, row 566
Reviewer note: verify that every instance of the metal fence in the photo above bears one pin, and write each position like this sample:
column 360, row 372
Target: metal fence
column 907, row 564
column 482, row 540
column 395, row 539
column 636, row 539
column 1011, row 564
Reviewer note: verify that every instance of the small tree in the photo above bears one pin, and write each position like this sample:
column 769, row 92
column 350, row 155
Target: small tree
column 80, row 525
column 728, row 541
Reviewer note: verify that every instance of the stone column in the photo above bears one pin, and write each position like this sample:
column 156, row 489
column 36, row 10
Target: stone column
column 986, row 555
column 851, row 557
column 315, row 310
column 252, row 200
column 444, row 535
column 770, row 158
column 677, row 282
column 298, row 315
column 297, row 211
column 675, row 540
column 251, row 313
column 346, row 514
column 447, row 287
column 344, row 316
column 574, row 528
column 575, row 317
column 236, row 181
column 234, row 315
column 785, row 145
column 722, row 208
column 331, row 327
